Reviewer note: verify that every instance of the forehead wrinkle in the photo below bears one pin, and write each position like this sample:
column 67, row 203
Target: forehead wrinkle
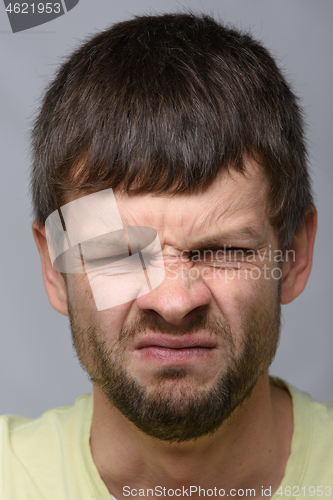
column 234, row 198
column 221, row 207
column 251, row 193
column 239, row 217
column 243, row 203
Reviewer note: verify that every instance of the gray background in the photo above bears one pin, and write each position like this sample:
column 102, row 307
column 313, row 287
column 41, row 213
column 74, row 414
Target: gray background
column 38, row 369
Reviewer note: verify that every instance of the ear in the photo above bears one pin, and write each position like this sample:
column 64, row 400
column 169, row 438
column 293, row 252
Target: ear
column 298, row 259
column 53, row 280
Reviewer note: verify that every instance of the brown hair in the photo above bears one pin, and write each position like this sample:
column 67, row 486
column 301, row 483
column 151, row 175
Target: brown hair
column 162, row 104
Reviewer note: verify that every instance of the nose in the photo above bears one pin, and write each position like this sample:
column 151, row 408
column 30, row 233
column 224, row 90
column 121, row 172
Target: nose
column 176, row 297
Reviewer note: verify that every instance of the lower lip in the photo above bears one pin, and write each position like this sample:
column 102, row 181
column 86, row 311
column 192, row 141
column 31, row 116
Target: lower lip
column 174, row 355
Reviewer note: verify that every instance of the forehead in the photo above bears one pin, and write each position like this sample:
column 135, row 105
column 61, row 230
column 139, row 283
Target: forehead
column 235, row 201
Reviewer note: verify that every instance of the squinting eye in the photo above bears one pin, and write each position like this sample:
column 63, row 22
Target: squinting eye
column 148, row 258
column 240, row 250
column 236, row 252
column 221, row 254
column 103, row 261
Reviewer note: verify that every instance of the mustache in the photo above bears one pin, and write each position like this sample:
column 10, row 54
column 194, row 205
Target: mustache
column 200, row 322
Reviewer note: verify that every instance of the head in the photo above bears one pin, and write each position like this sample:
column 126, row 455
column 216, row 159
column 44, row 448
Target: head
column 194, row 128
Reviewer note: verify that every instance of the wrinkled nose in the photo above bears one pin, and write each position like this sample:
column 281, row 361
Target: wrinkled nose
column 177, row 296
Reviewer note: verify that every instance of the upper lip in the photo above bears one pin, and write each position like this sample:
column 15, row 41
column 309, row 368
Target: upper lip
column 184, row 341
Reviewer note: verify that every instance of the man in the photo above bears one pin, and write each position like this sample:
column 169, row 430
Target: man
column 173, row 216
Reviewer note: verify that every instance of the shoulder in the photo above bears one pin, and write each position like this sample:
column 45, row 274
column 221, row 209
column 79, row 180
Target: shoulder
column 33, row 451
column 311, row 458
column 20, row 430
column 318, row 415
column 305, row 408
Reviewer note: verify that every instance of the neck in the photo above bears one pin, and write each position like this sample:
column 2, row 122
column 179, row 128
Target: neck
column 249, row 450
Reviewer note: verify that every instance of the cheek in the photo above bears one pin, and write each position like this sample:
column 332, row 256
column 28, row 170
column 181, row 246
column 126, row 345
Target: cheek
column 238, row 295
column 82, row 304
column 79, row 293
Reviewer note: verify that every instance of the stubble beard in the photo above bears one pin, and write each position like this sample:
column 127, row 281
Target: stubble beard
column 175, row 411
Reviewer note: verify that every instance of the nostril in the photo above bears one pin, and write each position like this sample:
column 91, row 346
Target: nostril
column 196, row 310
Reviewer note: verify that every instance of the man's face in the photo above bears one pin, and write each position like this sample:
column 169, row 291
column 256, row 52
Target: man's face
column 178, row 360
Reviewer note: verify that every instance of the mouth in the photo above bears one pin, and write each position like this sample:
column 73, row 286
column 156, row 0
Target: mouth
column 187, row 347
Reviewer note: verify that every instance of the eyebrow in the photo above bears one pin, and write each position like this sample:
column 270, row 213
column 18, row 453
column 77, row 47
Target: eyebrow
column 218, row 239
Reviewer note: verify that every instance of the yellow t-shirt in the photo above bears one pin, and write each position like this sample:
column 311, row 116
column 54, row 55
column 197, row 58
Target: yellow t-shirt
column 50, row 459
